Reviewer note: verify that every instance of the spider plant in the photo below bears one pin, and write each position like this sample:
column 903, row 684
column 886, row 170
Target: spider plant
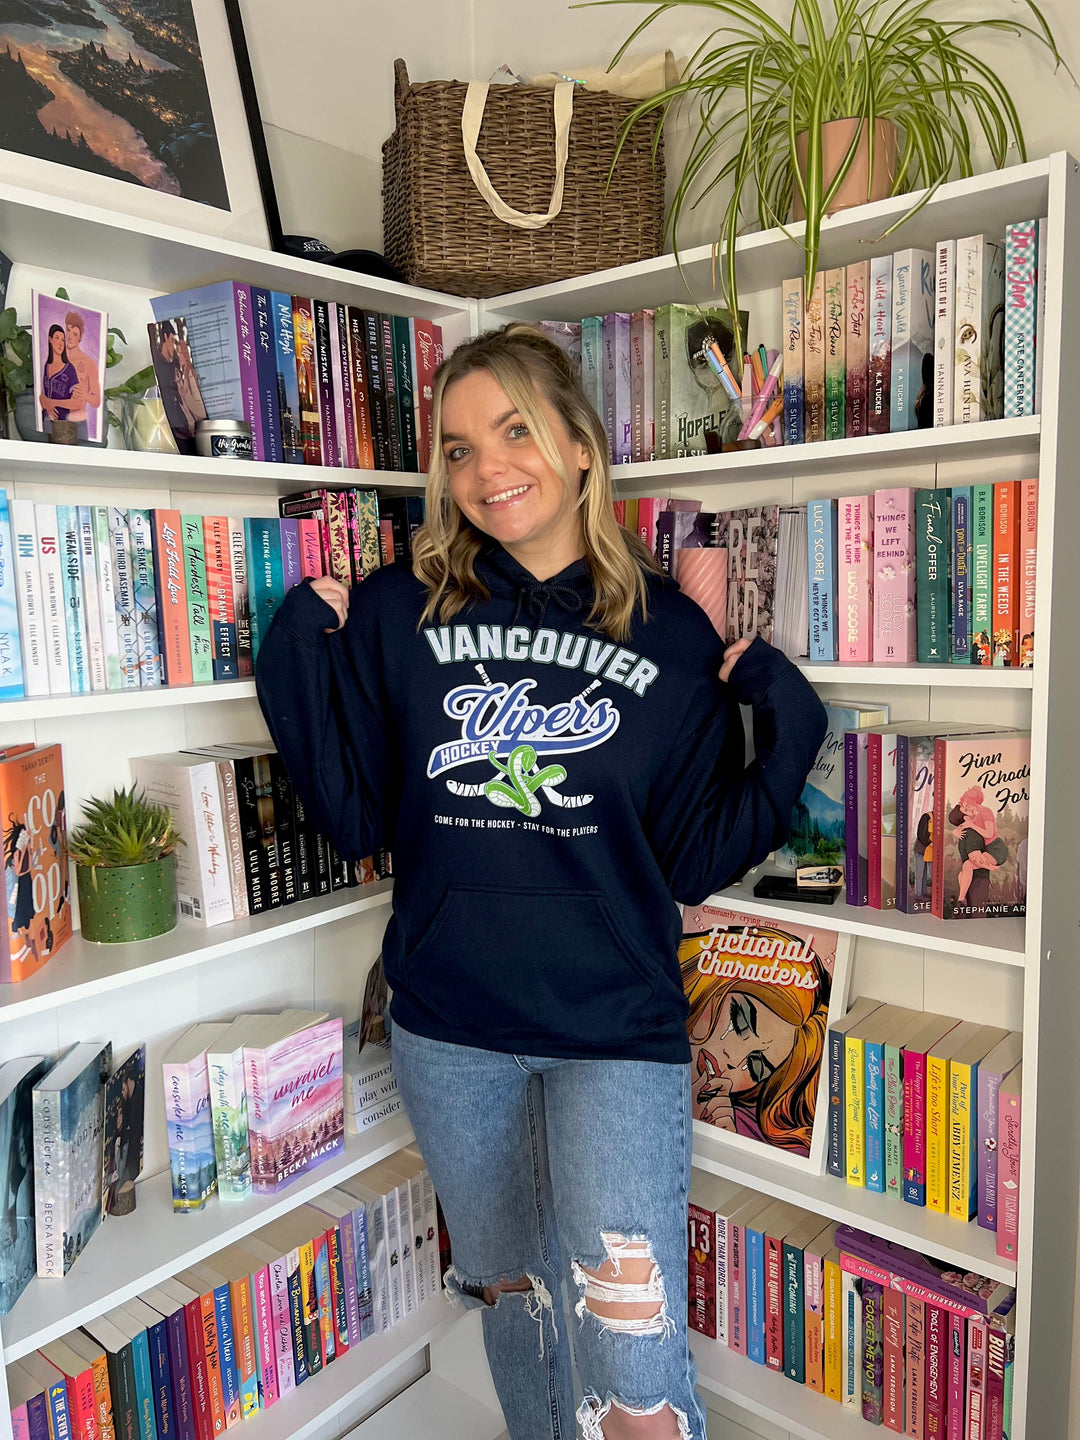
column 899, row 60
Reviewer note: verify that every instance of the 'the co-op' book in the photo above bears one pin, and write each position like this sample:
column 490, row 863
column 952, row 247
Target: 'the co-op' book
column 34, row 827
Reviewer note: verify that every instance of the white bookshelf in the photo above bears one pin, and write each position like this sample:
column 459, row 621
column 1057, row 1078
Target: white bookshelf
column 1023, row 975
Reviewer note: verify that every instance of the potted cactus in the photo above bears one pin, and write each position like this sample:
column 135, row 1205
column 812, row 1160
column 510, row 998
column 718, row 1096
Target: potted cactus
column 125, row 868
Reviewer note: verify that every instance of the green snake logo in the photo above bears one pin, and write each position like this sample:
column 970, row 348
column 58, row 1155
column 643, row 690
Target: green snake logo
column 517, row 787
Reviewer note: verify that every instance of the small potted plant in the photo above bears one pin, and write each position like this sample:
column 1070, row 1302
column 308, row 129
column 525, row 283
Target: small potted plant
column 125, row 868
column 16, row 368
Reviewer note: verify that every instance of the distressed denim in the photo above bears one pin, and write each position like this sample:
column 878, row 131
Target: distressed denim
column 548, row 1168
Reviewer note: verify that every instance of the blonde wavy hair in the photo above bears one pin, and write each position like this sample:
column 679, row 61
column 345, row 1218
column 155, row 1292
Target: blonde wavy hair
column 527, row 365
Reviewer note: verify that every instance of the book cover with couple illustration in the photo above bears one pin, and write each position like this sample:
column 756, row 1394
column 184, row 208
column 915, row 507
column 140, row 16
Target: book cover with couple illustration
column 761, row 995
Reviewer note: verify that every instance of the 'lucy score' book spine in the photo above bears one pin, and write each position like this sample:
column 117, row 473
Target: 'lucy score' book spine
column 791, row 299
column 857, row 347
column 855, row 536
column 194, row 553
column 821, row 569
column 894, row 576
column 912, row 379
column 944, row 330
column 932, row 509
column 960, row 644
column 1021, row 252
column 814, row 361
column 171, row 594
column 880, row 364
column 835, row 372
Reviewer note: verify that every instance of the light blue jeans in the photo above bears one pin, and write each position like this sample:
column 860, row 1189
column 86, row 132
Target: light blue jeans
column 546, row 1169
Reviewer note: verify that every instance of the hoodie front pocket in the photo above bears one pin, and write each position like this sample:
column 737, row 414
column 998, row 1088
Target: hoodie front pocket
column 546, row 964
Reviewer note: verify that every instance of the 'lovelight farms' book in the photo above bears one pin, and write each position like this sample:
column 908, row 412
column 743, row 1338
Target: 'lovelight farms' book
column 293, row 1079
column 981, row 793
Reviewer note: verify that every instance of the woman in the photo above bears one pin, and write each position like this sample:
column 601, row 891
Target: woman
column 59, row 378
column 979, row 844
column 547, row 735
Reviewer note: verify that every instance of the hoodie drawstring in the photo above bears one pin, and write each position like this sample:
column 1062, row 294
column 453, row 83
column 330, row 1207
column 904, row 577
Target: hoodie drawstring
column 533, row 600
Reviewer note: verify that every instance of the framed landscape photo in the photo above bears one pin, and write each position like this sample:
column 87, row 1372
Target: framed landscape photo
column 762, row 994
column 139, row 106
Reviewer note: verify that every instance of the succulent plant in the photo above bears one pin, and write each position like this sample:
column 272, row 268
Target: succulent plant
column 129, row 829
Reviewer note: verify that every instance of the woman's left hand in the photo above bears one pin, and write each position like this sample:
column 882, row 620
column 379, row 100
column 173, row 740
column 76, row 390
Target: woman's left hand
column 731, row 654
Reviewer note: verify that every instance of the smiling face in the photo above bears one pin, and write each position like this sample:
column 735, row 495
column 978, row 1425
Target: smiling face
column 500, row 480
column 749, row 1042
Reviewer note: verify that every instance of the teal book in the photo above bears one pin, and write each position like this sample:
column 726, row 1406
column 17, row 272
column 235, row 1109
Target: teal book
column 67, row 529
column 151, row 665
column 11, row 671
column 755, row 1293
column 874, row 1106
column 145, row 1399
column 932, row 591
column 794, row 1313
column 266, row 576
column 194, row 551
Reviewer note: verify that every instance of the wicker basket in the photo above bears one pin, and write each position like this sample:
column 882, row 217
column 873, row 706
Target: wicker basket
column 440, row 231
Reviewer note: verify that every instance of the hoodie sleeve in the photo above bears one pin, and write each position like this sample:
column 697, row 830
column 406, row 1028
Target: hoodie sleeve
column 710, row 816
column 321, row 697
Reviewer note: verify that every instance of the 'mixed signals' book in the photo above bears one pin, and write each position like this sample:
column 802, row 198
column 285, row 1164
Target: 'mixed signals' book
column 69, row 1112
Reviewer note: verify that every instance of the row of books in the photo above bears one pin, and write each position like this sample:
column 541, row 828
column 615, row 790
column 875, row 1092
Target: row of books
column 203, row 1351
column 916, row 339
column 252, row 1104
column 320, row 383
column 908, row 1343
column 74, row 1128
column 235, row 802
column 95, row 597
column 926, row 1108
column 927, row 816
column 371, row 1088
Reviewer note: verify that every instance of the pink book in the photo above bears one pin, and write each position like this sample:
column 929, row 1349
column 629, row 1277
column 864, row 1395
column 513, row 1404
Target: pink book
column 264, row 1335
column 311, row 549
column 295, row 1102
column 915, row 1367
column 893, row 1338
column 1008, row 1164
column 914, row 1066
column 20, row 1423
column 427, row 341
column 703, row 576
column 282, row 1325
column 895, row 637
column 937, row 1371
column 1029, row 525
column 855, row 535
column 957, row 1374
column 975, row 1389
column 648, row 507
column 997, row 1344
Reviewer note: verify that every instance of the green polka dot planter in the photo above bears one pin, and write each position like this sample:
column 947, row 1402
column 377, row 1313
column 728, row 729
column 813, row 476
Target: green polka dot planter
column 129, row 902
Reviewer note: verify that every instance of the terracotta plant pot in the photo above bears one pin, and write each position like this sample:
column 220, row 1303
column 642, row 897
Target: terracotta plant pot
column 130, row 902
column 858, row 186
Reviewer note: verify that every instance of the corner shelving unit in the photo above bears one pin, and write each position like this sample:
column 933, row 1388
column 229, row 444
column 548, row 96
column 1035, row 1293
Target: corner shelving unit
column 1021, row 974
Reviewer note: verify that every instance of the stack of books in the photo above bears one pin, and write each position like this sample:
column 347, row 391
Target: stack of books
column 209, row 1348
column 371, row 1088
column 882, row 1330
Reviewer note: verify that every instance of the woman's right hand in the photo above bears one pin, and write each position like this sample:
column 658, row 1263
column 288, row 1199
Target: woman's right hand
column 336, row 596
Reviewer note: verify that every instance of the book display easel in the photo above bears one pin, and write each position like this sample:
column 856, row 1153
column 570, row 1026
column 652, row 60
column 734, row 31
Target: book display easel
column 1020, row 974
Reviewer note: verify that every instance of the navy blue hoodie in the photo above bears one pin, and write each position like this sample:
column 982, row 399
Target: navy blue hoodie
column 548, row 794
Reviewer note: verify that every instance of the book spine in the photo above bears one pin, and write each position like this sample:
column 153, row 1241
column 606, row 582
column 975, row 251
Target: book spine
column 851, row 1334
column 292, row 571
column 365, row 1308
column 262, row 1323
column 11, row 667
column 180, row 1376
column 99, row 1375
column 880, row 364
column 1040, row 304
column 835, row 348
column 380, row 1265
column 854, row 1110
column 296, row 1319
column 427, row 341
column 105, row 574
column 95, row 634
column 389, row 371
column 347, row 1243
column 1005, row 600
column 873, row 819
column 1028, row 566
column 194, row 558
column 210, row 1341
column 29, row 593
column 661, row 376
column 228, row 1109
column 160, row 1380
column 307, row 380
column 200, row 1381
column 147, row 613
column 373, row 363
column 67, row 525
column 339, row 325
column 227, row 1355
column 932, row 573
column 960, row 644
column 324, row 379
column 894, row 1121
column 855, row 535
column 852, row 887
column 857, row 348
column 793, row 1350
column 266, row 581
column 814, row 1316
column 367, row 525
column 238, row 557
column 962, row 1174
column 288, row 391
column 892, row 1349
column 755, row 1298
column 245, row 1345
column 266, row 371
column 1021, row 265
column 982, row 569
column 365, row 439
column 893, row 584
column 915, row 1371
column 171, row 594
column 54, row 605
column 988, row 1087
column 903, row 822
column 144, row 1387
column 833, row 1328
column 219, row 592
column 314, row 1352
column 637, row 386
column 404, row 384
column 901, row 377
column 944, row 331
column 937, row 1134
column 957, row 1373
column 975, row 1397
column 721, row 1250
column 821, row 563
column 774, row 1302
column 1008, row 1176
column 871, row 1356
column 737, row 1289
column 814, row 361
column 702, row 1272
column 874, row 1108
column 284, row 827
column 247, row 345
column 60, row 1414
column 914, row 1127
column 591, row 346
column 996, row 1347
column 50, row 1203
column 284, row 1368
column 791, row 299
column 935, row 1409
column 836, row 1144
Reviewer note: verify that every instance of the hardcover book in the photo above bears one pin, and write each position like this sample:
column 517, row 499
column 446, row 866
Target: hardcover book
column 814, row 361
column 1021, row 280
column 736, row 967
column 69, row 1106
column 38, row 922
column 295, row 1102
column 53, row 599
column 981, row 822
column 912, row 378
column 880, row 366
column 821, row 565
column 857, row 348
column 791, row 300
column 17, row 1081
column 78, row 649
column 835, row 365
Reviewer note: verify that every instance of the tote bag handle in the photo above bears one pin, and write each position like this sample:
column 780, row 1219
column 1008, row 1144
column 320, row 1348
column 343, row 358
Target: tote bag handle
column 471, row 119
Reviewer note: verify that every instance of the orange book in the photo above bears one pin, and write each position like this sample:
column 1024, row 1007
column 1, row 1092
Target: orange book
column 34, row 824
column 1029, row 529
column 1005, row 594
column 171, row 593
column 86, row 1346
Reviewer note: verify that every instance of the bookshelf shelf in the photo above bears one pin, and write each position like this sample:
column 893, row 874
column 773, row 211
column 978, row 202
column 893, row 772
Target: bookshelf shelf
column 433, row 1407
column 943, row 677
column 1000, row 942
column 968, row 1247
column 84, row 969
column 53, row 707
column 795, row 1409
column 131, row 1253
column 23, row 460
